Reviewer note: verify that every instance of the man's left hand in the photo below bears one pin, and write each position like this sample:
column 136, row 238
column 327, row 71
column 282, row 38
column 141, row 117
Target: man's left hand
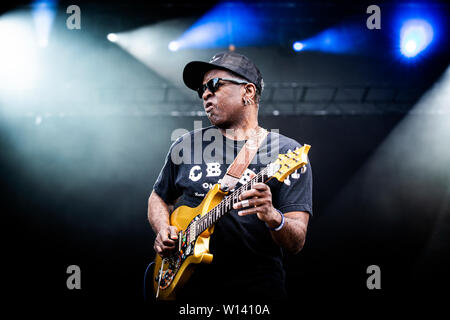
column 258, row 200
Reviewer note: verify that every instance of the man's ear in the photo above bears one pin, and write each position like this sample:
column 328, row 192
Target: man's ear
column 250, row 91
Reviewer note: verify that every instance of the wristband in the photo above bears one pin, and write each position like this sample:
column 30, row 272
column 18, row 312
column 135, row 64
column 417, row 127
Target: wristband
column 281, row 224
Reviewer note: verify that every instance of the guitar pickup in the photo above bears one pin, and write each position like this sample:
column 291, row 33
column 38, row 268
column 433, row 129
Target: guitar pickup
column 192, row 234
column 180, row 240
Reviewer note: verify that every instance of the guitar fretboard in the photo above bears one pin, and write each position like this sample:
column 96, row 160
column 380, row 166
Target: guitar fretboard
column 227, row 203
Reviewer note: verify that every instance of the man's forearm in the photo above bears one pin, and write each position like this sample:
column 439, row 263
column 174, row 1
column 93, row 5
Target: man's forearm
column 158, row 212
column 293, row 234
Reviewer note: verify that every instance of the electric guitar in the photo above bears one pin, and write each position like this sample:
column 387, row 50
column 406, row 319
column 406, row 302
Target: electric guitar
column 197, row 224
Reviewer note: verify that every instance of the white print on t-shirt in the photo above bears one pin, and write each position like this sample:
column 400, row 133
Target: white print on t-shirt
column 207, row 185
column 246, row 176
column 193, row 175
column 213, row 169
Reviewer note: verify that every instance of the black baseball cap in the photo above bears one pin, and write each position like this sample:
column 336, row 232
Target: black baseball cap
column 239, row 64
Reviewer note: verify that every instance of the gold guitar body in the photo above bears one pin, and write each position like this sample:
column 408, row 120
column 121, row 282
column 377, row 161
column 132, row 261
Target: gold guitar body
column 181, row 218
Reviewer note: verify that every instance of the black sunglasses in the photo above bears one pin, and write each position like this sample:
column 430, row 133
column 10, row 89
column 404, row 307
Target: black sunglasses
column 214, row 84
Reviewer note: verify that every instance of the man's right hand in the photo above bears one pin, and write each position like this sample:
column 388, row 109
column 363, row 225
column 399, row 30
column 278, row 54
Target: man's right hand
column 165, row 241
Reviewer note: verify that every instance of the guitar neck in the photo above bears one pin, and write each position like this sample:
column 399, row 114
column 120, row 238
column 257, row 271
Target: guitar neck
column 227, row 203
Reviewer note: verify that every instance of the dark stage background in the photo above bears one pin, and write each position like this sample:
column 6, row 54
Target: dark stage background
column 80, row 152
column 91, row 211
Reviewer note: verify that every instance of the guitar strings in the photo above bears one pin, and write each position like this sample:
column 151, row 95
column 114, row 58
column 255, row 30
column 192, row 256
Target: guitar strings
column 217, row 210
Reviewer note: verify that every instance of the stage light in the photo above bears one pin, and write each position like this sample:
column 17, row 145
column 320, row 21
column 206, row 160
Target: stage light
column 152, row 45
column 298, row 46
column 410, row 46
column 415, row 36
column 340, row 39
column 419, row 30
column 18, row 54
column 112, row 37
column 226, row 23
column 174, row 46
column 43, row 12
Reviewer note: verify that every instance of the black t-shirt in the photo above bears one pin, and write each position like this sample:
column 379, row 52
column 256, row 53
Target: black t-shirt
column 247, row 262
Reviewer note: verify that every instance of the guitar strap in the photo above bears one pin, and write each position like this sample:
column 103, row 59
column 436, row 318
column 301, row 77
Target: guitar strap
column 242, row 160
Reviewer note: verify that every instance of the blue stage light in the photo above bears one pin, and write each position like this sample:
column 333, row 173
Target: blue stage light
column 419, row 29
column 43, row 12
column 341, row 39
column 298, row 46
column 415, row 36
column 227, row 23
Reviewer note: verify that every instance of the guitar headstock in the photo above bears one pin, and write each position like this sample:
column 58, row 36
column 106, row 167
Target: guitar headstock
column 288, row 163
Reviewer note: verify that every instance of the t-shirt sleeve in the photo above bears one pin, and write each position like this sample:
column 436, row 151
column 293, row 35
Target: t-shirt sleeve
column 295, row 193
column 165, row 185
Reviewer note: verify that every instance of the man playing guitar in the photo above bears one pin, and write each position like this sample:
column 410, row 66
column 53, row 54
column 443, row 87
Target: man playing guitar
column 269, row 219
